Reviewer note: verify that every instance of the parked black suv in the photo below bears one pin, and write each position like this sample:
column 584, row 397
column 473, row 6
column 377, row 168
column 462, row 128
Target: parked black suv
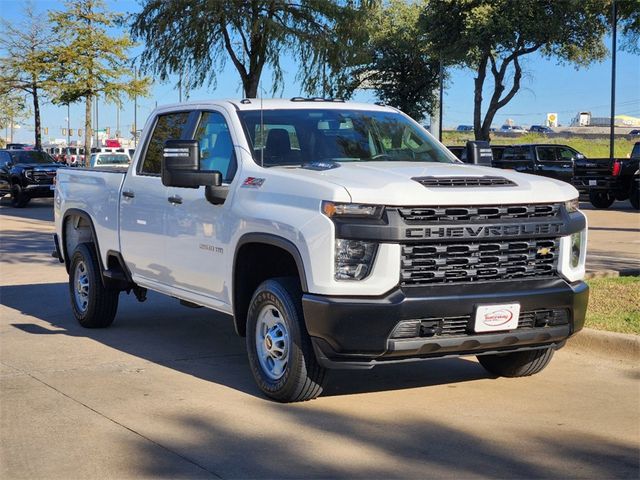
column 26, row 174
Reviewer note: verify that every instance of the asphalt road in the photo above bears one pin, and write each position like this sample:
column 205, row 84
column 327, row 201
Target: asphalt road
column 166, row 392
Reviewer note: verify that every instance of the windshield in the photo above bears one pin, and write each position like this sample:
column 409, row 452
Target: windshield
column 297, row 137
column 30, row 156
column 112, row 159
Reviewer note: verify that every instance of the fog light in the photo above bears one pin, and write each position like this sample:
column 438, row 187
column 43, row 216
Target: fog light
column 406, row 329
column 576, row 247
column 353, row 259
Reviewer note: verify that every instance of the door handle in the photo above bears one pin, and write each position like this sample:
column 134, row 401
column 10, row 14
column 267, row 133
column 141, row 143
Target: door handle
column 128, row 194
column 175, row 199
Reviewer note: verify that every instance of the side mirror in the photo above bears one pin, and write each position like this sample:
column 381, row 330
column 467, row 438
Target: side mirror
column 579, row 156
column 181, row 166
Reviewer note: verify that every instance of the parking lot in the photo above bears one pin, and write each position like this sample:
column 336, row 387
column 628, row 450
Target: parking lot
column 167, row 392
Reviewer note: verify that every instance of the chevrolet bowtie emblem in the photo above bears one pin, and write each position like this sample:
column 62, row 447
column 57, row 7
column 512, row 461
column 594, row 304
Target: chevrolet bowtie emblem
column 544, row 251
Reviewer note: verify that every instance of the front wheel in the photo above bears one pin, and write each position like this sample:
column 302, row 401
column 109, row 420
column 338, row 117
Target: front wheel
column 517, row 364
column 280, row 353
column 601, row 199
column 93, row 305
column 19, row 198
column 634, row 195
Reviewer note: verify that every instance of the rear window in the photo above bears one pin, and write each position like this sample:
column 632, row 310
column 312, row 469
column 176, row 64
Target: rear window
column 517, row 153
column 112, row 160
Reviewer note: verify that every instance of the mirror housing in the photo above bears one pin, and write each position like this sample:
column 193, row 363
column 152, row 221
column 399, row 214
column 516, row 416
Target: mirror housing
column 181, row 166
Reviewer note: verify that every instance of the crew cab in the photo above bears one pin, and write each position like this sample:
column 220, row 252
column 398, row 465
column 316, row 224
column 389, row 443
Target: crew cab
column 26, row 174
column 335, row 235
column 605, row 180
column 549, row 160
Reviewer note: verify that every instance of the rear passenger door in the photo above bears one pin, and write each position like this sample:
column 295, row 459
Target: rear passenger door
column 516, row 158
column 144, row 205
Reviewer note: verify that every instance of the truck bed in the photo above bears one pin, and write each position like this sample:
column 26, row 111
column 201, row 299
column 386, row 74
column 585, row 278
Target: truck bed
column 96, row 192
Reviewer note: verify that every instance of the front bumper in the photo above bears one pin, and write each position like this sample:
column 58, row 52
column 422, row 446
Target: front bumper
column 39, row 190
column 352, row 332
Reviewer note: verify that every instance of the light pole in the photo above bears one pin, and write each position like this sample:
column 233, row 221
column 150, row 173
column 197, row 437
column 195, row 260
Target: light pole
column 612, row 127
column 68, row 126
column 135, row 113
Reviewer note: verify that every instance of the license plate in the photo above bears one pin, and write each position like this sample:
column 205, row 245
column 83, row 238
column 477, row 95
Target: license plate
column 493, row 318
column 52, row 187
column 593, row 183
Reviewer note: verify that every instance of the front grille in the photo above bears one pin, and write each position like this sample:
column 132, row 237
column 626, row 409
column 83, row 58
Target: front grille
column 463, row 325
column 472, row 214
column 43, row 177
column 427, row 264
column 485, row 181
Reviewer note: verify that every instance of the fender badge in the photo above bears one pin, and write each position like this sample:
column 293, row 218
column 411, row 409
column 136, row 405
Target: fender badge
column 253, row 182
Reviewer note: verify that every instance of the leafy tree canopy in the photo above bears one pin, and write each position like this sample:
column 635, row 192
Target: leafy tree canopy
column 196, row 37
column 492, row 36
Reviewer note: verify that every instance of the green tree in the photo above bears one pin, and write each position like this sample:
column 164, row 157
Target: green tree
column 492, row 36
column 12, row 108
column 24, row 65
column 393, row 59
column 199, row 36
column 88, row 61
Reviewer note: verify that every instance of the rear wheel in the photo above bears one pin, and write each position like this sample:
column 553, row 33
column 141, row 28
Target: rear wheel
column 280, row 353
column 517, row 364
column 19, row 198
column 93, row 305
column 601, row 199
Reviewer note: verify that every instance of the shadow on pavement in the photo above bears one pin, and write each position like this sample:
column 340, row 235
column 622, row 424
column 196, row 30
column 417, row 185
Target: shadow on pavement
column 384, row 448
column 204, row 344
column 36, row 209
column 26, row 246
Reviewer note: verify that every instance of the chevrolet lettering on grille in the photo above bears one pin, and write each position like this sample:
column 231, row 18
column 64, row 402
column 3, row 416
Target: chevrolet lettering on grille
column 482, row 231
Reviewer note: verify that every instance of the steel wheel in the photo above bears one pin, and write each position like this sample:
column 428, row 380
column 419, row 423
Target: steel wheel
column 81, row 284
column 272, row 342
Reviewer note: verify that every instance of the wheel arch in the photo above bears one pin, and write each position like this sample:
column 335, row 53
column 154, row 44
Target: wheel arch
column 284, row 259
column 76, row 215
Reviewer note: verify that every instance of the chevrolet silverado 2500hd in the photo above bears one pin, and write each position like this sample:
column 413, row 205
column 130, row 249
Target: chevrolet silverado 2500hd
column 336, row 235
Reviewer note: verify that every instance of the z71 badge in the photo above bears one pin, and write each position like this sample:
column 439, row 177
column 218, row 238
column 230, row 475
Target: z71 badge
column 253, row 182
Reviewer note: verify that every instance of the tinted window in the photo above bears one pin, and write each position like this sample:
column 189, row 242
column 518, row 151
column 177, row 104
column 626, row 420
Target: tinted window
column 294, row 137
column 517, row 153
column 167, row 127
column 4, row 158
column 635, row 152
column 565, row 153
column 216, row 147
column 30, row 156
column 546, row 154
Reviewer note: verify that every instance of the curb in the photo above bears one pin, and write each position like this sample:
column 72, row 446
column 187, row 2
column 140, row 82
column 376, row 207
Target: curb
column 627, row 272
column 617, row 346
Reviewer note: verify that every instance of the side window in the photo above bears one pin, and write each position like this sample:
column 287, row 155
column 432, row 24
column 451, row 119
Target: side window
column 216, row 146
column 546, row 154
column 565, row 154
column 4, row 159
column 167, row 127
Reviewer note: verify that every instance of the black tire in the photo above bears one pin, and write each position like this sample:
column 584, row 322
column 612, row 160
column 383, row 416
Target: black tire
column 517, row 364
column 19, row 198
column 302, row 378
column 601, row 199
column 97, row 307
column 634, row 195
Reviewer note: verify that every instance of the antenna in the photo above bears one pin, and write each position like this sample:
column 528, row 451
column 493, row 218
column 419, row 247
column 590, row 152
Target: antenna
column 263, row 140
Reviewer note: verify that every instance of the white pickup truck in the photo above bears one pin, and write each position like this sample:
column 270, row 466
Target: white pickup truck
column 336, row 235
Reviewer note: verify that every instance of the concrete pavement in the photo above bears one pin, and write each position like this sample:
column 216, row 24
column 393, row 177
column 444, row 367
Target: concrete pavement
column 167, row 392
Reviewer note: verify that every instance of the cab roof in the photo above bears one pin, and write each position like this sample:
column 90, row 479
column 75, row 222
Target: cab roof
column 281, row 104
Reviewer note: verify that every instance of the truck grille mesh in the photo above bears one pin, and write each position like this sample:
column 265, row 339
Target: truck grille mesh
column 500, row 212
column 485, row 181
column 452, row 326
column 43, row 177
column 426, row 264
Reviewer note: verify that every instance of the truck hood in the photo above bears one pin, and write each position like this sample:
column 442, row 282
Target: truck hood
column 391, row 183
column 39, row 166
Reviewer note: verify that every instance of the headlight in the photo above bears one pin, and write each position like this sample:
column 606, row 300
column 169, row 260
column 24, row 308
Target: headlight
column 331, row 210
column 573, row 255
column 353, row 259
column 572, row 205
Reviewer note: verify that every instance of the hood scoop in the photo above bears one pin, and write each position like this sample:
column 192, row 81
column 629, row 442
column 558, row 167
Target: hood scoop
column 484, row 181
